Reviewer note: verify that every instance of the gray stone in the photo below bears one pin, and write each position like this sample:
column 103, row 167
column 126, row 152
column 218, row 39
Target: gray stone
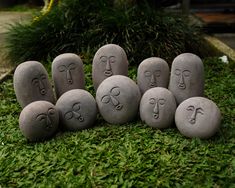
column 67, row 73
column 77, row 110
column 187, row 77
column 109, row 60
column 39, row 121
column 152, row 72
column 198, row 117
column 157, row 108
column 118, row 99
column 31, row 83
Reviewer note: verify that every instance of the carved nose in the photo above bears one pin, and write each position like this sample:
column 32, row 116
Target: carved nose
column 69, row 77
column 78, row 116
column 156, row 111
column 42, row 88
column 108, row 66
column 192, row 119
column 153, row 80
column 49, row 122
column 181, row 82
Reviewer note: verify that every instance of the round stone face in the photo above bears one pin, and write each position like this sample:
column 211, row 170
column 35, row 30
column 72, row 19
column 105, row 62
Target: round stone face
column 152, row 72
column 198, row 117
column 187, row 77
column 67, row 73
column 109, row 60
column 31, row 83
column 157, row 108
column 118, row 99
column 39, row 121
column 77, row 109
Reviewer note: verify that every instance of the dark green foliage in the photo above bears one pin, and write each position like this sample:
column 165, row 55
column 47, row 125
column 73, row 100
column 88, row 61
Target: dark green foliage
column 79, row 25
column 130, row 155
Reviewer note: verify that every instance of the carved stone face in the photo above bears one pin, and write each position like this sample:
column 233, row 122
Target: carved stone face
column 31, row 83
column 39, row 121
column 118, row 99
column 198, row 117
column 67, row 73
column 157, row 107
column 77, row 110
column 109, row 60
column 187, row 77
column 152, row 72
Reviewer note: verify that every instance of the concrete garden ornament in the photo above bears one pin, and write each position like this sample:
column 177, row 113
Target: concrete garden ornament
column 187, row 77
column 39, row 121
column 157, row 108
column 109, row 60
column 31, row 83
column 198, row 117
column 118, row 99
column 152, row 72
column 77, row 109
column 67, row 73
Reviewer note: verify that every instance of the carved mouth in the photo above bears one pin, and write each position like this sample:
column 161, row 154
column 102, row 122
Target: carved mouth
column 182, row 86
column 81, row 119
column 108, row 73
column 155, row 116
column 70, row 81
column 118, row 107
column 192, row 121
column 152, row 85
column 43, row 91
column 48, row 126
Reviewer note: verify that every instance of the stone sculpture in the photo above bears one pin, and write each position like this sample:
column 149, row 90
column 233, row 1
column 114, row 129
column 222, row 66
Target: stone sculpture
column 118, row 99
column 39, row 121
column 152, row 72
column 77, row 109
column 157, row 107
column 109, row 60
column 31, row 83
column 67, row 73
column 187, row 77
column 198, row 117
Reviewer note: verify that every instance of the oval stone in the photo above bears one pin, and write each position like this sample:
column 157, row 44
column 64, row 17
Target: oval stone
column 31, row 83
column 157, row 108
column 153, row 72
column 198, row 117
column 67, row 73
column 118, row 99
column 39, row 121
column 187, row 77
column 77, row 109
column 109, row 60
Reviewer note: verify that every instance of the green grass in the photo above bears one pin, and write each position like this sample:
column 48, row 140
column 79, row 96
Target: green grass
column 122, row 156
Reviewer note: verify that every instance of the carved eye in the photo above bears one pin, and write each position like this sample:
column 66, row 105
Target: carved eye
column 152, row 101
column 112, row 59
column 147, row 73
column 62, row 68
column 76, row 107
column 41, row 117
column 42, row 76
column 177, row 72
column 35, row 81
column 186, row 73
column 157, row 73
column 105, row 99
column 161, row 101
column 103, row 59
column 115, row 91
column 72, row 66
column 190, row 108
column 68, row 115
column 51, row 111
column 200, row 111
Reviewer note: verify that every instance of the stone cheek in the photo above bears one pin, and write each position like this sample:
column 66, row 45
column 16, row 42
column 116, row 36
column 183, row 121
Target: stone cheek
column 31, row 83
column 157, row 108
column 152, row 72
column 77, row 110
column 39, row 121
column 118, row 99
column 67, row 73
column 109, row 60
column 198, row 117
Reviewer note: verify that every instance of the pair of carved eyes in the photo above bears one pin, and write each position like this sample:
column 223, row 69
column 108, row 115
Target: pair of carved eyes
column 198, row 110
column 74, row 113
column 111, row 59
column 156, row 73
column 45, row 117
column 63, row 68
column 185, row 73
column 37, row 80
column 113, row 92
column 154, row 101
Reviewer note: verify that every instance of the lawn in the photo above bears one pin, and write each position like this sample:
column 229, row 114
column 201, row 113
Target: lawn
column 130, row 155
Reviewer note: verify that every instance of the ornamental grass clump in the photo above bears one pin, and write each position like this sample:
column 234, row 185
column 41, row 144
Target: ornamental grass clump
column 79, row 26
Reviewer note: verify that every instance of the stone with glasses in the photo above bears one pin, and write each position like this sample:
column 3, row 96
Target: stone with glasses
column 198, row 117
column 157, row 108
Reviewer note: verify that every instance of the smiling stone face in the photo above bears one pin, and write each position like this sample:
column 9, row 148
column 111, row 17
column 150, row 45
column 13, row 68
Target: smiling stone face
column 152, row 72
column 187, row 77
column 67, row 73
column 198, row 117
column 109, row 60
column 157, row 107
